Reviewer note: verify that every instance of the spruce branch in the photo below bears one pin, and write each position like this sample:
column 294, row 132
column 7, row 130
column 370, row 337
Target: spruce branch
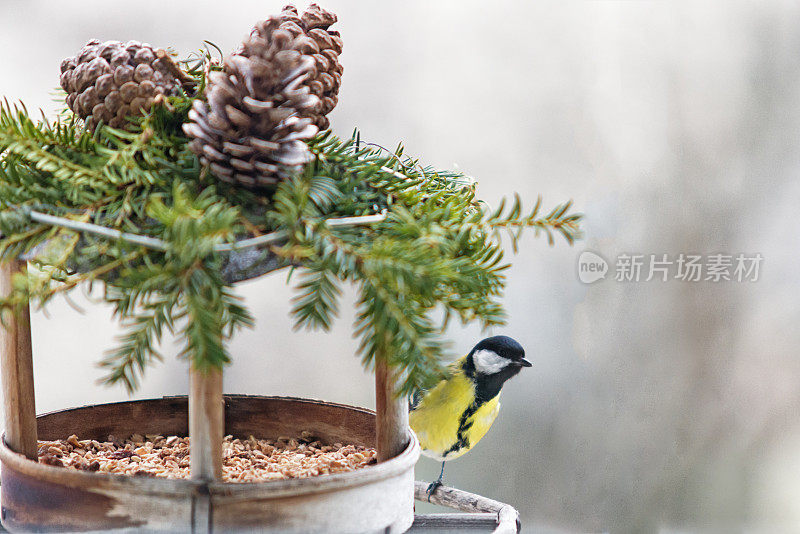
column 137, row 349
column 317, row 300
column 70, row 201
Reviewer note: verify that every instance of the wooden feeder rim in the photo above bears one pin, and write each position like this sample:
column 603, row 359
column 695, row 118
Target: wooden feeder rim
column 245, row 490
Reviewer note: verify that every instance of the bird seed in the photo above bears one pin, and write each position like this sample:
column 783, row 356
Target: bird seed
column 244, row 460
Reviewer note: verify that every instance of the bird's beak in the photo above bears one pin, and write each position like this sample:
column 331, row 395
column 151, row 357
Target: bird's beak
column 524, row 363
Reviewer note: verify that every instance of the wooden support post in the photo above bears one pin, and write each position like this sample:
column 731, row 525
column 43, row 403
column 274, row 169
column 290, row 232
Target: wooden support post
column 16, row 369
column 206, row 424
column 392, row 414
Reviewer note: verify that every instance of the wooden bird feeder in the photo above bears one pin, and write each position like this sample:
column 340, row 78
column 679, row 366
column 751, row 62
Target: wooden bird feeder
column 37, row 497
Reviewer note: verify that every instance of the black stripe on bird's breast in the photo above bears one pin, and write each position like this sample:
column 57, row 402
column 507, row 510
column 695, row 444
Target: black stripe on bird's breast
column 464, row 424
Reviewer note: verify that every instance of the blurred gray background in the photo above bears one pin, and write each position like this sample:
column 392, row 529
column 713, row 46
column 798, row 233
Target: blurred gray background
column 652, row 406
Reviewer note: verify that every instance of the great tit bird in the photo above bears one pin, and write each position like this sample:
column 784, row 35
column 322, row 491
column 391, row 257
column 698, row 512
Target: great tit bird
column 450, row 418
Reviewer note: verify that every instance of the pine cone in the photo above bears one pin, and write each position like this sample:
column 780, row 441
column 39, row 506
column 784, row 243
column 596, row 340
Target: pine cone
column 111, row 81
column 322, row 44
column 251, row 130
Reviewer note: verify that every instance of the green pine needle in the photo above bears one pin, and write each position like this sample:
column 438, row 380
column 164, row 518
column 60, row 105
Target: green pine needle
column 437, row 253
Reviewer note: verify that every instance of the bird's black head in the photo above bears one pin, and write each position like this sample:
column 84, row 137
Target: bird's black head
column 493, row 361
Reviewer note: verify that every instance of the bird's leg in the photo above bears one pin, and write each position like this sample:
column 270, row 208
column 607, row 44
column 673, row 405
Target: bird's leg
column 436, row 484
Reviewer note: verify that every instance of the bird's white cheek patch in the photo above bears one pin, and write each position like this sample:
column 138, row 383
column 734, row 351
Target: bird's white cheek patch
column 488, row 362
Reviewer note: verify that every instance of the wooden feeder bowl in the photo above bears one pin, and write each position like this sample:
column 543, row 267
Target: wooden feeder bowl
column 43, row 498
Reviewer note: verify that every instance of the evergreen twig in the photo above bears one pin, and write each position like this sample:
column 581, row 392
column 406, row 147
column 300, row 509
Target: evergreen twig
column 435, row 248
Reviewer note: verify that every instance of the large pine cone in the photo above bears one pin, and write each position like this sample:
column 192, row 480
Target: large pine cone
column 251, row 130
column 111, row 81
column 322, row 44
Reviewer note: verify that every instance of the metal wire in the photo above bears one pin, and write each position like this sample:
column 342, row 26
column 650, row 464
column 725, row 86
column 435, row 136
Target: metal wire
column 89, row 228
column 159, row 244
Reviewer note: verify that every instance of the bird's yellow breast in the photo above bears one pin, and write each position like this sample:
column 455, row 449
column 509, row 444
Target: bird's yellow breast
column 445, row 420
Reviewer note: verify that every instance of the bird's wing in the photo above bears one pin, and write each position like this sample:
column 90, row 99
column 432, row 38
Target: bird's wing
column 416, row 397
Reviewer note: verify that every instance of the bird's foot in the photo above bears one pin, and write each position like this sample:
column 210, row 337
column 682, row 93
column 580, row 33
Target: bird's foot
column 432, row 487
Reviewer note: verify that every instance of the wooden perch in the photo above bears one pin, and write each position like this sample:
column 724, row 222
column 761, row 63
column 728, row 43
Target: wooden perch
column 507, row 517
column 16, row 368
